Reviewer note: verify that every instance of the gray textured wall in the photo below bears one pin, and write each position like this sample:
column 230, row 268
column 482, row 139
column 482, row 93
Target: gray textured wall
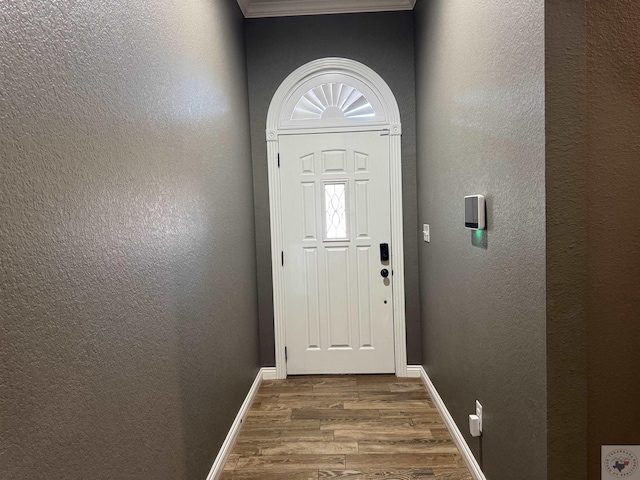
column 275, row 48
column 128, row 331
column 566, row 233
column 593, row 251
column 613, row 292
column 480, row 129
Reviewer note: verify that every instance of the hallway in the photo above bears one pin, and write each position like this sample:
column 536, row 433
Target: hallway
column 142, row 270
column 356, row 427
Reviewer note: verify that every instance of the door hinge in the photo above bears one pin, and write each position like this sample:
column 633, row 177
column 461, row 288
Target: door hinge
column 278, row 160
column 282, row 258
column 286, row 357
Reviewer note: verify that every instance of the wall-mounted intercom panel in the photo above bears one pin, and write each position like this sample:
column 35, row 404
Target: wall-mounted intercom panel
column 474, row 212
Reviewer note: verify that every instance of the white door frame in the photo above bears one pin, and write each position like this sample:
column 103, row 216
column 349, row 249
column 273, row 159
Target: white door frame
column 388, row 119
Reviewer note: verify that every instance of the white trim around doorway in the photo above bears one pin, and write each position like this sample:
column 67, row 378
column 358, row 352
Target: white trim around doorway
column 388, row 121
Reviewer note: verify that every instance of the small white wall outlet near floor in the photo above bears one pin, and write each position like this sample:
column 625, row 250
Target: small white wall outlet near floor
column 474, row 425
column 475, row 421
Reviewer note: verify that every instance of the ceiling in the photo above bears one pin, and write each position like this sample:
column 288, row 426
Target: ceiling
column 288, row 8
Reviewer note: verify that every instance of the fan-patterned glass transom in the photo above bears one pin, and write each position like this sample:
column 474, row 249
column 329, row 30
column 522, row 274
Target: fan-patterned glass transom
column 333, row 100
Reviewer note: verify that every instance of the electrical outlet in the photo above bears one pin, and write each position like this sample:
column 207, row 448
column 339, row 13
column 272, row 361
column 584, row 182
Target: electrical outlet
column 479, row 413
column 425, row 233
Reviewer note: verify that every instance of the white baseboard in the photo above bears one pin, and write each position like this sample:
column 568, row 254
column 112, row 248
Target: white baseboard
column 414, row 371
column 268, row 373
column 264, row 373
column 470, row 460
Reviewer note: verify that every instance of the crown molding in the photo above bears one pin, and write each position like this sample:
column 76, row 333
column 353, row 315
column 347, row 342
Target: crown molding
column 244, row 6
column 289, row 8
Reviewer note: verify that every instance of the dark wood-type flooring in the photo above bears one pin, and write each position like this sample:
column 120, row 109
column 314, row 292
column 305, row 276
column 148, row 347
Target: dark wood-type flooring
column 346, row 427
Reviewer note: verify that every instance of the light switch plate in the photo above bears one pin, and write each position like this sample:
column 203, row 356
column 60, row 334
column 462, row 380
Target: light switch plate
column 425, row 233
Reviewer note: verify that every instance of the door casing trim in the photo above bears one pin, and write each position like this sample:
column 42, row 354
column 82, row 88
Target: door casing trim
column 289, row 86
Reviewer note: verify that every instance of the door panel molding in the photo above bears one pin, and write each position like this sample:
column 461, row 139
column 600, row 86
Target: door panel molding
column 386, row 119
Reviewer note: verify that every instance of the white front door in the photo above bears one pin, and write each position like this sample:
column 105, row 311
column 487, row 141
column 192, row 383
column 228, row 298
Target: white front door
column 335, row 217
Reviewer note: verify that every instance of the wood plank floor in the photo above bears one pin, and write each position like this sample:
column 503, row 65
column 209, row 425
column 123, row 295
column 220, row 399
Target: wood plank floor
column 347, row 427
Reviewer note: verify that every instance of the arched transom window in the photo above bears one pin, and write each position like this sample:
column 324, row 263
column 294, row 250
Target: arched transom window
column 333, row 100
